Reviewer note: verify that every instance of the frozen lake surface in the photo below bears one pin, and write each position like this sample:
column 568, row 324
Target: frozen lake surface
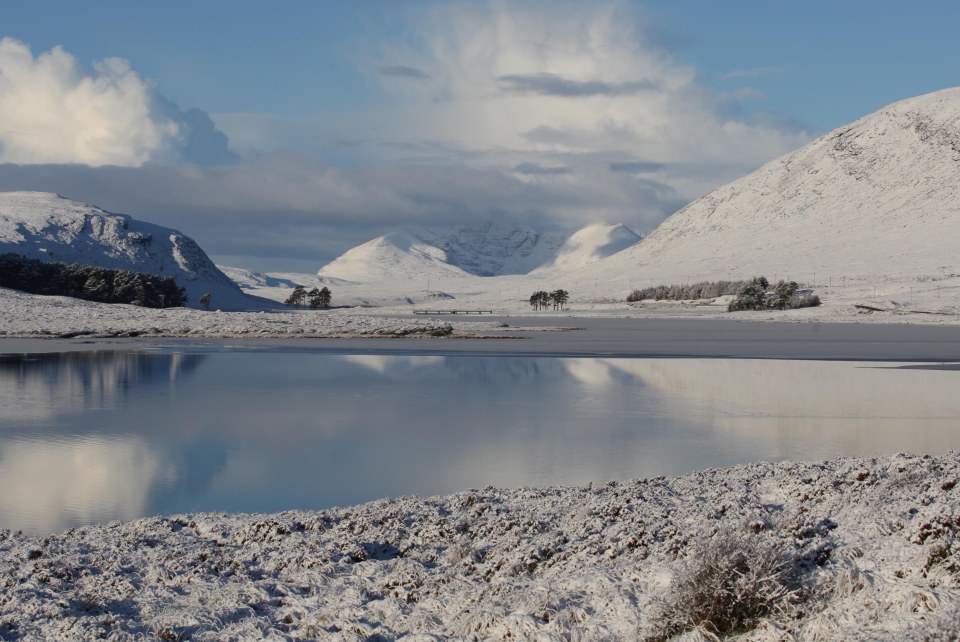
column 92, row 436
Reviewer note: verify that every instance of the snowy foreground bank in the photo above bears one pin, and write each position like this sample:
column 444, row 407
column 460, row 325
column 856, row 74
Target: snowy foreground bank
column 27, row 315
column 849, row 549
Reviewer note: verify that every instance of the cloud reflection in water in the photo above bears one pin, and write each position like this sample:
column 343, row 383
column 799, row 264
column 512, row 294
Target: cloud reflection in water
column 114, row 437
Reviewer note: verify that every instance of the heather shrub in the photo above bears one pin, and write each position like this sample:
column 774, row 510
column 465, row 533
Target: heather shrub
column 729, row 583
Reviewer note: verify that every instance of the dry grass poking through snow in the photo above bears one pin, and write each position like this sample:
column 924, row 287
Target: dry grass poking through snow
column 854, row 549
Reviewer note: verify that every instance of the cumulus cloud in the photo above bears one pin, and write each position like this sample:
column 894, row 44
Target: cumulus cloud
column 520, row 112
column 54, row 111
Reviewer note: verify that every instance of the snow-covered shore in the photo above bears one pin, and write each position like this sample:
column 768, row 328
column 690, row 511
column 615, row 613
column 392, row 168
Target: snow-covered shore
column 850, row 549
column 27, row 315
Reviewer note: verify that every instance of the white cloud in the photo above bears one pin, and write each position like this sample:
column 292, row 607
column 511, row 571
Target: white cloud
column 562, row 97
column 54, row 111
column 537, row 113
column 538, row 78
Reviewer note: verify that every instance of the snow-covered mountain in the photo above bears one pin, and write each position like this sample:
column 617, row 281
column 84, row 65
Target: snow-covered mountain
column 52, row 228
column 487, row 249
column 590, row 244
column 873, row 199
column 399, row 255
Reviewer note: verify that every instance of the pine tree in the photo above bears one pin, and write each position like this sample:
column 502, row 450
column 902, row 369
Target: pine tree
column 297, row 297
column 559, row 298
column 325, row 297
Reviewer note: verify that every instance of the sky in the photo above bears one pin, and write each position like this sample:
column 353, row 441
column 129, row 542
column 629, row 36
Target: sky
column 279, row 135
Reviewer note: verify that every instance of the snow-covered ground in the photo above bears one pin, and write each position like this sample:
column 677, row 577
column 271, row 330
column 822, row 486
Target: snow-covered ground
column 894, row 299
column 27, row 315
column 852, row 549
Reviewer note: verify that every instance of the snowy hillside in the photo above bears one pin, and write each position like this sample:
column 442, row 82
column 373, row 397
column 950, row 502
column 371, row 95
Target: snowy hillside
column 590, row 244
column 873, row 201
column 486, row 249
column 401, row 254
column 50, row 227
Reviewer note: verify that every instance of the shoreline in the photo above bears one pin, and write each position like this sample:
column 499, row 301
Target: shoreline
column 573, row 337
column 867, row 546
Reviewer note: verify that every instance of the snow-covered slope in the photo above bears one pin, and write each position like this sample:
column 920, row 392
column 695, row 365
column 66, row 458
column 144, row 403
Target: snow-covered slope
column 485, row 249
column 874, row 199
column 251, row 280
column 52, row 228
column 590, row 244
column 400, row 255
column 491, row 249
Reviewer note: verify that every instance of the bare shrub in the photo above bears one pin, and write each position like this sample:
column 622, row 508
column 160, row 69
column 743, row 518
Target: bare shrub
column 729, row 583
column 942, row 626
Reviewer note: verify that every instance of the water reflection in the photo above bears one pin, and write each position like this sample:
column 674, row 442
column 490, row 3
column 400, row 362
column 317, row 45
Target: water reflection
column 90, row 437
column 80, row 381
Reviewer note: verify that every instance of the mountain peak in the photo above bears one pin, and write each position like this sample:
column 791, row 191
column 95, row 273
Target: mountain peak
column 483, row 249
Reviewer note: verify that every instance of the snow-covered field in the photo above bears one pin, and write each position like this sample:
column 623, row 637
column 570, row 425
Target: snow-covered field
column 854, row 549
column 906, row 299
column 27, row 315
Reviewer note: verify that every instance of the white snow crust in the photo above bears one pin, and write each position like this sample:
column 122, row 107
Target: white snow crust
column 27, row 315
column 49, row 227
column 873, row 544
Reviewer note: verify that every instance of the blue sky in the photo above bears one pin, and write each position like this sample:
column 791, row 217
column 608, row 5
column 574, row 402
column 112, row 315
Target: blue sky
column 281, row 134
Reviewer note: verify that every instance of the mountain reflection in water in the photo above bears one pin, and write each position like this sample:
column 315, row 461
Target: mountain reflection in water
column 88, row 437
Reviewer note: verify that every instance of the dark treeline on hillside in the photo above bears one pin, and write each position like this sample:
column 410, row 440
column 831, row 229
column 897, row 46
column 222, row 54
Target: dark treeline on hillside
column 694, row 291
column 89, row 282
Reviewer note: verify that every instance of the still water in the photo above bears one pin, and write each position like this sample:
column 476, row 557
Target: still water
column 97, row 436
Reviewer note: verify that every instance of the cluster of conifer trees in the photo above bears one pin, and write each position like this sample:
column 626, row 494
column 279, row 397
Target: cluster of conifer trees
column 755, row 294
column 93, row 283
column 758, row 295
column 692, row 292
column 318, row 299
column 542, row 300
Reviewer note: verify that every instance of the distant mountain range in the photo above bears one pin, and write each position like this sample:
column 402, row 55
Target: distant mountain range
column 52, row 228
column 875, row 199
column 486, row 249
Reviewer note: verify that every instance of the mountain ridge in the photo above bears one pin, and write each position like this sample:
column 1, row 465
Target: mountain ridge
column 484, row 249
column 53, row 228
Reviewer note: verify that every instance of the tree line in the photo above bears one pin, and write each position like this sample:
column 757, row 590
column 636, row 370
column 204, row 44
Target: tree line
column 90, row 282
column 317, row 299
column 755, row 294
column 542, row 300
column 689, row 292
